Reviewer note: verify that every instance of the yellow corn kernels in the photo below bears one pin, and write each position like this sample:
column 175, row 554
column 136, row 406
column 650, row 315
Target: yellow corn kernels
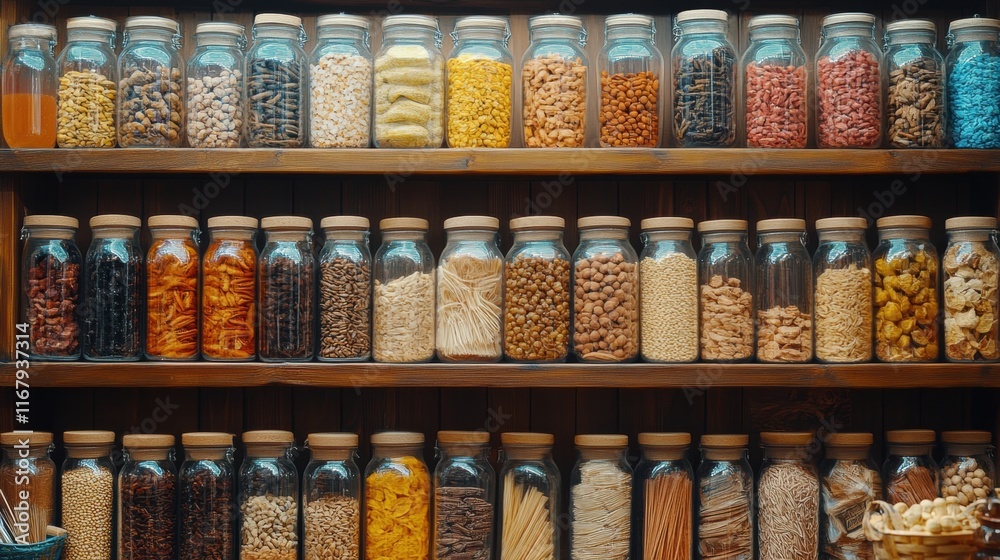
column 479, row 102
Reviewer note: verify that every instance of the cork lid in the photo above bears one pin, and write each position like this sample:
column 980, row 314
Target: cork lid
column 691, row 15
column 555, row 19
column 911, row 436
column 51, row 220
column 171, row 221
column 207, row 439
column 841, row 223
column 88, row 437
column 781, row 224
column 769, row 20
column 472, row 222
column 785, row 439
column 665, row 439
column 220, row 27
column 346, row 20
column 591, row 222
column 601, row 440
column 397, row 224
column 849, row 17
column 269, row 436
column 455, row 436
column 481, row 22
column 332, row 440
column 277, row 19
column 971, row 222
column 537, row 222
column 725, row 440
column 35, row 439
column 152, row 21
column 968, row 436
column 410, row 19
column 358, row 223
column 846, row 439
column 618, row 20
column 905, row 221
column 147, row 441
column 666, row 223
column 92, row 22
column 242, row 222
column 398, row 438
column 974, row 22
column 286, row 222
column 711, row 226
column 115, row 220
column 39, row 30
column 911, row 25
column 526, row 438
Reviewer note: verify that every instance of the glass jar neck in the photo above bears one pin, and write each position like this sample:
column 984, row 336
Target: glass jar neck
column 845, row 235
column 143, row 454
column 207, row 453
column 848, row 453
column 277, row 31
column 97, row 451
column 219, row 40
column 910, row 449
column 275, row 451
column 482, row 236
column 287, row 236
column 975, row 34
column 858, row 30
column 149, row 34
column 724, row 237
column 31, row 43
column 527, row 452
column 724, row 453
column 624, row 32
column 476, row 451
column 557, row 32
column 115, row 233
column 85, row 35
column 183, row 234
column 397, row 450
column 965, row 449
column 960, row 235
column 237, row 234
column 331, row 453
column 910, row 234
column 411, row 33
column 604, row 233
column 771, row 32
column 525, row 236
column 481, row 34
column 602, row 453
column 702, row 26
column 31, row 452
column 49, row 233
column 342, row 34
column 910, row 37
column 664, row 453
column 404, row 235
column 349, row 236
column 781, row 237
column 655, row 236
column 786, row 453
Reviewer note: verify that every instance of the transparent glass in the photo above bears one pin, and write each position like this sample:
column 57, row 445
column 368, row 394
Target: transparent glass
column 215, row 84
column 345, row 297
column 529, row 503
column 906, row 306
column 537, row 297
column 207, row 481
column 229, row 295
column 277, row 67
column 88, row 80
column 973, row 66
column 725, row 504
column 112, row 310
column 775, row 85
column 601, row 476
column 172, row 273
column 150, row 90
column 910, row 474
column 404, row 298
column 469, row 297
column 28, row 467
column 971, row 296
column 51, row 269
column 704, row 82
column 726, row 270
column 987, row 537
column 606, row 300
column 843, row 296
column 849, row 87
column 88, row 502
column 464, row 502
column 331, row 505
column 147, row 505
column 30, row 87
column 269, row 503
column 784, row 298
column 663, row 505
column 287, row 281
column 480, row 88
column 968, row 472
column 630, row 67
column 340, row 91
column 788, row 504
column 554, row 85
column 850, row 483
column 915, row 90
column 397, row 473
column 668, row 308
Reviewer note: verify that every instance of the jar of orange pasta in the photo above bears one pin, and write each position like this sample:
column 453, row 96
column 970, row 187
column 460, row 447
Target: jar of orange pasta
column 397, row 498
column 229, row 283
column 172, row 289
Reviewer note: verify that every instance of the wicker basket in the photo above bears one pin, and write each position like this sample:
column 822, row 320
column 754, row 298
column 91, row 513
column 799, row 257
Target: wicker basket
column 49, row 549
column 910, row 545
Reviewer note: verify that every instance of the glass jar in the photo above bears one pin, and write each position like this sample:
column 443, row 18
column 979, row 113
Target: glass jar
column 27, row 479
column 784, row 292
column 973, row 66
column 215, row 82
column 787, row 497
column 537, row 291
column 663, row 498
column 464, row 497
column 909, row 472
column 229, row 290
column 287, row 277
column 906, row 305
column 340, row 83
column 630, row 67
column 345, row 290
column 112, row 309
column 30, row 86
column 970, row 290
column 726, row 271
column 850, row 484
column 480, row 84
column 843, row 291
column 151, row 72
column 704, row 80
column 725, row 499
column 987, row 537
column 88, row 491
column 88, row 81
column 554, row 83
column 967, row 469
column 147, row 498
column 269, row 497
column 409, row 84
column 404, row 293
column 600, row 500
column 397, row 473
column 914, row 78
column 172, row 288
column 331, row 496
column 848, row 83
column 276, row 74
column 470, row 291
column 207, row 483
column 529, row 497
column 606, row 288
column 50, row 277
column 774, row 67
column 668, row 282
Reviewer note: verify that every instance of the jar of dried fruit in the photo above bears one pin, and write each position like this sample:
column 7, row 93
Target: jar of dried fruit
column 150, row 98
column 704, row 80
column 112, row 312
column 331, row 498
column 277, row 67
column 630, row 67
column 229, row 290
column 910, row 473
column 397, row 474
column 345, row 290
column 775, row 85
column 172, row 273
column 606, row 291
column 848, row 83
column 971, row 298
column 784, row 292
column 26, row 466
column 464, row 497
column 88, row 490
column 88, row 83
column 850, row 483
column 663, row 498
column 600, row 500
column 287, row 279
column 404, row 293
column 726, row 273
column 968, row 471
column 788, row 497
column 147, row 498
column 668, row 282
column 906, row 299
column 842, row 279
column 914, row 77
column 207, row 483
column 480, row 84
column 529, row 497
column 725, row 498
column 554, row 83
column 269, row 497
column 51, row 267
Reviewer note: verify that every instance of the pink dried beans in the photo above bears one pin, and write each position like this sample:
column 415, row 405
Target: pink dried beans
column 848, row 95
column 776, row 110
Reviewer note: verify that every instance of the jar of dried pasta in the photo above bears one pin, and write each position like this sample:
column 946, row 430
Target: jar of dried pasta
column 331, row 498
column 88, row 492
column 529, row 497
column 112, row 312
column 967, row 469
column 971, row 297
column 726, row 273
column 287, row 277
column 172, row 288
column 147, row 498
column 663, row 498
column 27, row 467
column 910, row 473
column 404, row 293
column 464, row 497
column 784, row 292
column 51, row 280
column 906, row 304
column 850, row 483
column 788, row 497
column 345, row 290
column 843, row 291
column 229, row 290
column 600, row 500
column 725, row 499
column 668, row 282
column 269, row 497
column 397, row 475
column 554, row 83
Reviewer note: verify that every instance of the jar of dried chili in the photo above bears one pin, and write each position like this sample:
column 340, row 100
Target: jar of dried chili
column 229, row 290
column 147, row 498
column 51, row 268
column 172, row 289
column 287, row 276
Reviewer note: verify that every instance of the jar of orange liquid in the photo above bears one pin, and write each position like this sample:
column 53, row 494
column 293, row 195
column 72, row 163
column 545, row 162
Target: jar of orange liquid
column 30, row 84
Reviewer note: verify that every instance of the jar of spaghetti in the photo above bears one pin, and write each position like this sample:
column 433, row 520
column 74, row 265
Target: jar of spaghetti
column 27, row 474
column 848, row 83
column 331, row 498
column 464, row 497
column 269, row 497
column 345, row 290
column 229, row 290
column 172, row 288
column 600, row 500
column 88, row 492
column 207, row 483
column 787, row 497
column 397, row 474
column 910, row 473
column 725, row 499
column 967, row 469
column 51, row 269
column 30, row 86
column 113, row 306
column 287, row 277
column 529, row 497
column 784, row 292
column 850, row 483
column 971, row 297
column 404, row 293
column 726, row 274
column 663, row 498
column 147, row 498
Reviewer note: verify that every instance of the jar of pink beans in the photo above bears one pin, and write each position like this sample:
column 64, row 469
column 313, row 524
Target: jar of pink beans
column 774, row 68
column 848, row 83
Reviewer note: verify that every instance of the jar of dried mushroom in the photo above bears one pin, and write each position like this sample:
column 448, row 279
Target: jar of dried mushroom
column 725, row 499
column 787, row 497
column 147, row 498
column 207, row 482
column 704, row 80
column 464, row 497
column 668, row 282
column 909, row 473
column 469, row 291
column 28, row 481
column 345, row 290
column 113, row 306
column 331, row 498
column 88, row 78
column 287, row 277
column 630, row 67
column 842, row 281
column 775, row 86
column 172, row 288
column 276, row 75
column 600, row 500
column 480, row 84
column 851, row 482
column 915, row 96
column 397, row 498
column 51, row 266
column 663, row 498
column 88, row 491
column 150, row 84
column 726, row 274
column 529, row 524
column 215, row 83
column 404, row 293
column 340, row 83
column 784, row 292
column 906, row 300
column 229, row 290
column 269, row 497
column 554, row 83
column 848, row 83
column 967, row 469
column 606, row 291
column 971, row 298
column 536, row 292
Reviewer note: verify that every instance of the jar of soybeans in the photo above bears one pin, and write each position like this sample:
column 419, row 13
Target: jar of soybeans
column 630, row 67
column 276, row 75
column 480, row 84
column 842, row 280
column 269, row 497
column 788, row 497
column 851, row 482
column 287, row 278
column 88, row 492
column 151, row 85
column 345, row 290
column 26, row 466
column 51, row 273
column 775, row 85
column 340, row 78
column 172, row 273
column 464, row 497
column 726, row 274
column 914, row 75
column 784, row 292
column 704, row 80
column 725, row 498
column 331, row 498
column 910, row 473
column 973, row 68
column 668, row 282
column 88, row 83
column 207, row 505
column 215, row 82
column 397, row 474
column 529, row 497
column 971, row 298
column 147, row 498
column 663, row 498
column 848, row 83
column 229, row 290
column 600, row 500
column 554, row 83
column 30, row 86
column 113, row 306
column 404, row 293
column 968, row 471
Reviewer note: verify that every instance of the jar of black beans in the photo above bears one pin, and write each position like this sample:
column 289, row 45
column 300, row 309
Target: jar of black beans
column 112, row 308
column 207, row 497
column 276, row 66
column 51, row 268
column 285, row 300
column 147, row 498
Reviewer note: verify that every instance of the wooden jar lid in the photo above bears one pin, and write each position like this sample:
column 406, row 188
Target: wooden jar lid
column 906, row 221
column 845, row 439
column 472, row 222
column 967, row 436
column 269, row 436
column 286, row 222
column 35, row 439
column 786, row 439
column 841, row 223
column 971, row 222
column 359, row 223
column 722, row 225
column 455, row 436
column 665, row 439
column 398, row 438
column 537, row 222
column 591, row 222
column 922, row 437
column 526, row 438
column 242, row 222
column 723, row 441
column 396, row 224
column 781, row 224
column 88, row 437
column 147, row 441
column 601, row 440
column 51, row 220
column 172, row 221
column 666, row 222
column 115, row 220
column 332, row 440
column 207, row 439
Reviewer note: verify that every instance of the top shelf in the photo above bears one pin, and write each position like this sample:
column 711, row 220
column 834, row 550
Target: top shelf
column 514, row 161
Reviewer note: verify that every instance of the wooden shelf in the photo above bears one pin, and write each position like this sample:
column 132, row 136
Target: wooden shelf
column 584, row 161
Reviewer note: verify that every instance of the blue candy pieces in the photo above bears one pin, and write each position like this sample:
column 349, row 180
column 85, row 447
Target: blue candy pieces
column 974, row 102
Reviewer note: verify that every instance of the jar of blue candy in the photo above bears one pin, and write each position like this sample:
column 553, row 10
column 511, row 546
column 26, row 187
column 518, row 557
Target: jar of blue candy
column 973, row 66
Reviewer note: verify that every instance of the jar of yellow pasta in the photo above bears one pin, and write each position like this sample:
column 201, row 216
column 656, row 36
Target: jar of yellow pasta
column 397, row 498
column 480, row 82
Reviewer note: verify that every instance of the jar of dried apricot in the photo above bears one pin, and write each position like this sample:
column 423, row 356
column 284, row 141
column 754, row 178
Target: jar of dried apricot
column 172, row 289
column 397, row 498
column 229, row 283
